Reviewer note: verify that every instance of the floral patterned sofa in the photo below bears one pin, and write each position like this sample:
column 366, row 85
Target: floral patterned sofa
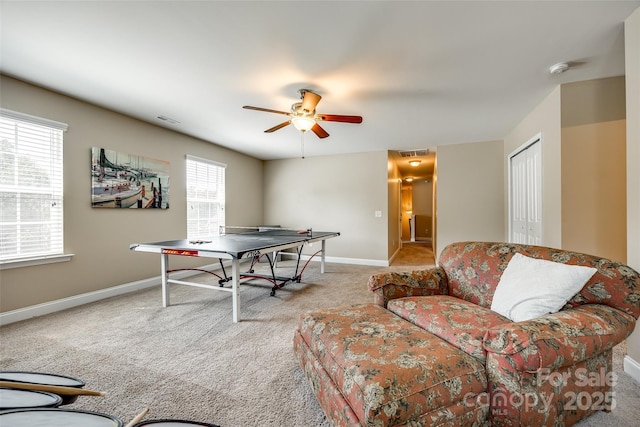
column 431, row 351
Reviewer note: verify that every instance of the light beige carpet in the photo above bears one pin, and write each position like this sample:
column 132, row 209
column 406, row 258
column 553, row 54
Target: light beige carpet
column 191, row 361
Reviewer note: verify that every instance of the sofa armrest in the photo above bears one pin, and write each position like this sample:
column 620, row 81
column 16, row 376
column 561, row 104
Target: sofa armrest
column 391, row 285
column 559, row 339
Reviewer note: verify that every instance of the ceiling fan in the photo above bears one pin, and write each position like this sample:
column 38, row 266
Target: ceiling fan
column 303, row 115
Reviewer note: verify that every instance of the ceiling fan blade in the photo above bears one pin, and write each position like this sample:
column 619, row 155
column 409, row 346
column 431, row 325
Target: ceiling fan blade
column 280, row 126
column 338, row 118
column 310, row 101
column 249, row 107
column 318, row 130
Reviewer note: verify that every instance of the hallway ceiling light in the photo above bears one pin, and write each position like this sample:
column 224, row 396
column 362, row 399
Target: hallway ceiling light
column 415, row 163
column 409, row 179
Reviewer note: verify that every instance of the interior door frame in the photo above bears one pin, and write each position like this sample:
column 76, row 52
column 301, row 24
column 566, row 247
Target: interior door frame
column 535, row 139
column 399, row 214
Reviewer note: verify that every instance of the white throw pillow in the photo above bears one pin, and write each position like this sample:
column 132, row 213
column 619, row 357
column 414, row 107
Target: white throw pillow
column 531, row 287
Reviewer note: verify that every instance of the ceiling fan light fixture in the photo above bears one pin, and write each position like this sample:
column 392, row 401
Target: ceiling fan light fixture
column 303, row 115
column 303, row 124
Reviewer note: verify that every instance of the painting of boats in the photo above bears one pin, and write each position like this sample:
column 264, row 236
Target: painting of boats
column 121, row 180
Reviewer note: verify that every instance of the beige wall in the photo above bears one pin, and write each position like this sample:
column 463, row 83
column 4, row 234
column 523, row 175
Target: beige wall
column 100, row 238
column 333, row 193
column 632, row 71
column 544, row 119
column 594, row 216
column 470, row 193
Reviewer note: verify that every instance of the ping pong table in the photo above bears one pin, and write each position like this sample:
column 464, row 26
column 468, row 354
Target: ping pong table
column 235, row 244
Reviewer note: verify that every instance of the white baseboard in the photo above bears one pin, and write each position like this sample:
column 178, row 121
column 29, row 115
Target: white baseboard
column 395, row 254
column 632, row 368
column 89, row 297
column 339, row 260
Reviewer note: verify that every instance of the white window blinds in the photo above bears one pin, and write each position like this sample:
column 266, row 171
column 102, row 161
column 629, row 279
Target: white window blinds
column 31, row 187
column 205, row 197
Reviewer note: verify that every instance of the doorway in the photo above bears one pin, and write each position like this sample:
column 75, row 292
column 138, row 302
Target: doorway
column 417, row 210
column 414, row 171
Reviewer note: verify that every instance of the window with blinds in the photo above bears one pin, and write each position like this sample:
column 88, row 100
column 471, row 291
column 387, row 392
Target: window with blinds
column 31, row 199
column 205, row 197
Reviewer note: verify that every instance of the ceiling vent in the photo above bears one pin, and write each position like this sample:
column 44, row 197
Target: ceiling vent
column 413, row 153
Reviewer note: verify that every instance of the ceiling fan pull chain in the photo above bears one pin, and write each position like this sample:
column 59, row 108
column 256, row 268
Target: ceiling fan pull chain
column 302, row 143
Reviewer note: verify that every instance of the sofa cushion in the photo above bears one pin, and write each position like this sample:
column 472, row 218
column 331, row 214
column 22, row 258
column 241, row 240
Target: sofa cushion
column 389, row 371
column 456, row 321
column 531, row 287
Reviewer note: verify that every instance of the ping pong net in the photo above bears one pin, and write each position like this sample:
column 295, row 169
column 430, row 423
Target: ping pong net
column 265, row 230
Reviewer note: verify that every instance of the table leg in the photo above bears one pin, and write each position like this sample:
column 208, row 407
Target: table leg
column 164, row 265
column 322, row 258
column 235, row 286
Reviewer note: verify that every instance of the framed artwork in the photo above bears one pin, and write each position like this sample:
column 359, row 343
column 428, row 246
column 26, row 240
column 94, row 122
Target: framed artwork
column 128, row 181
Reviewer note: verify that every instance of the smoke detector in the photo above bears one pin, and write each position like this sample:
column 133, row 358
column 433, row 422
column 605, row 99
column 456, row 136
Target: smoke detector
column 559, row 68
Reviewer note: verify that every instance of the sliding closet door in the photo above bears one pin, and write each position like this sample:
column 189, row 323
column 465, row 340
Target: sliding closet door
column 525, row 199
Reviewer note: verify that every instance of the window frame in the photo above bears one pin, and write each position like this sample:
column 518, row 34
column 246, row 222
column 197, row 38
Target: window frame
column 15, row 260
column 221, row 214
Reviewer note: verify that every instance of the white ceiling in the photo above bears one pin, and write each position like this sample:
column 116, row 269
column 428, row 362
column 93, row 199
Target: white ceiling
column 421, row 73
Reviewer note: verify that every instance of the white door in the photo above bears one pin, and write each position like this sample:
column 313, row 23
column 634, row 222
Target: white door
column 525, row 198
column 518, row 198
